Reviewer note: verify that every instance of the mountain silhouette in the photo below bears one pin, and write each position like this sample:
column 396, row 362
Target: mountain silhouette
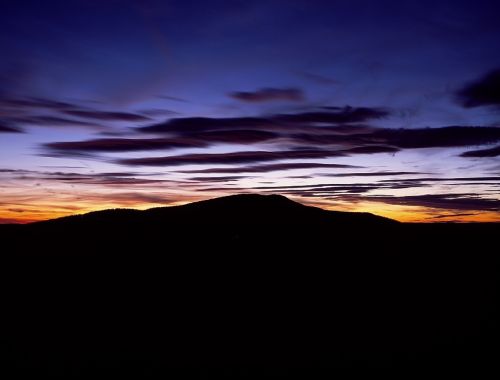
column 240, row 209
column 246, row 286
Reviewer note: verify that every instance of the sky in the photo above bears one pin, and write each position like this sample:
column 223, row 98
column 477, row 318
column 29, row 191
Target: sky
column 389, row 107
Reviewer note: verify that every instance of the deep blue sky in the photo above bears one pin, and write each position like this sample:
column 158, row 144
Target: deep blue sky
column 151, row 61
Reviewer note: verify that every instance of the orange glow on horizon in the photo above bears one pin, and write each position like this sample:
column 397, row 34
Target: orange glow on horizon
column 39, row 211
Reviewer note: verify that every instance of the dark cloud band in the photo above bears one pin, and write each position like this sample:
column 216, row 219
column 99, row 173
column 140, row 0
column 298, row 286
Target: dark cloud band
column 9, row 129
column 269, row 94
column 483, row 92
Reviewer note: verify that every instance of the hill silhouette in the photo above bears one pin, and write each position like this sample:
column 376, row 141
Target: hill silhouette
column 246, row 286
column 243, row 209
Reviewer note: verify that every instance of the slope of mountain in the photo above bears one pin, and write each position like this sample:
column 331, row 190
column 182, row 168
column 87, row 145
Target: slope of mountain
column 246, row 287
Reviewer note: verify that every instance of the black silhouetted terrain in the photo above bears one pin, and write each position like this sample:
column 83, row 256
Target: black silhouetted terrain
column 246, row 286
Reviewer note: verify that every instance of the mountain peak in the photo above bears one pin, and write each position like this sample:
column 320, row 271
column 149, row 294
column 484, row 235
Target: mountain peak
column 251, row 199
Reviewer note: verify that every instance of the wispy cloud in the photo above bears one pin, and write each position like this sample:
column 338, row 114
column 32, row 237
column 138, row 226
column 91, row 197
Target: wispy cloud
column 227, row 158
column 490, row 152
column 9, row 129
column 443, row 201
column 485, row 91
column 272, row 167
column 107, row 115
column 124, row 145
column 269, row 94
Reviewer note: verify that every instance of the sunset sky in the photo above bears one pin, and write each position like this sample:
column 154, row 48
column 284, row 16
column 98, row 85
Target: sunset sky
column 389, row 107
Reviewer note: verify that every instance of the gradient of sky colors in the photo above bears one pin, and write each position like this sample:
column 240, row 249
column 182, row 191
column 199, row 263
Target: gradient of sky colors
column 390, row 107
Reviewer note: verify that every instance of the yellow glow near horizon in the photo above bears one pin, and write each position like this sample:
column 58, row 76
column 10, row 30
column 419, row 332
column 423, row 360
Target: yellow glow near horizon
column 55, row 208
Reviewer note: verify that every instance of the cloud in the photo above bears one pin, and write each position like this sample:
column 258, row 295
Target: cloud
column 303, row 128
column 351, row 193
column 369, row 174
column 372, row 149
column 379, row 184
column 105, row 178
column 454, row 215
column 444, row 137
column 276, row 123
column 354, row 139
column 355, row 189
column 34, row 111
column 32, row 102
column 316, row 78
column 483, row 92
column 269, row 94
column 9, row 220
column 444, row 201
column 491, row 152
column 270, row 168
column 321, row 190
column 173, row 98
column 228, row 158
column 340, row 115
column 102, row 180
column 158, row 112
column 133, row 198
column 336, row 186
column 343, row 140
column 448, row 179
column 217, row 179
column 235, row 137
column 14, row 171
column 332, row 132
column 124, row 145
column 107, row 116
column 200, row 140
column 378, row 140
column 8, row 129
column 204, row 124
column 46, row 120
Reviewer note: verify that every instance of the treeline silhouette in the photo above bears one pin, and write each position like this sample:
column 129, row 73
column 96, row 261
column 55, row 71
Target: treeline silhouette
column 246, row 286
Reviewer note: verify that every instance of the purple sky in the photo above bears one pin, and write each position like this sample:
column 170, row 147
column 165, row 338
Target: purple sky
column 124, row 103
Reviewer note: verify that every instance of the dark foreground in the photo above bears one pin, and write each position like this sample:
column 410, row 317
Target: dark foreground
column 247, row 287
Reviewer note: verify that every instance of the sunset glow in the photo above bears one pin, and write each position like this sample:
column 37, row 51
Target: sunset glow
column 145, row 104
